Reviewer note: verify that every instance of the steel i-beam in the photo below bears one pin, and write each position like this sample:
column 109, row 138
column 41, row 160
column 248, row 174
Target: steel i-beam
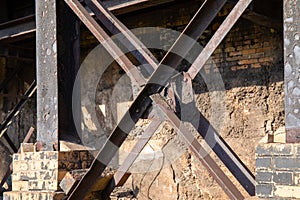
column 221, row 148
column 120, row 175
column 135, row 111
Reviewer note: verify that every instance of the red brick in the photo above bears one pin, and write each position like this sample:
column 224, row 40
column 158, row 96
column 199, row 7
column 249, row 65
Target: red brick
column 248, row 51
column 265, row 49
column 242, row 67
column 235, row 53
column 246, row 62
column 239, row 48
column 269, row 59
column 229, row 49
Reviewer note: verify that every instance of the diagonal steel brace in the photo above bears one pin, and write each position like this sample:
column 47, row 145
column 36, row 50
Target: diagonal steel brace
column 139, row 106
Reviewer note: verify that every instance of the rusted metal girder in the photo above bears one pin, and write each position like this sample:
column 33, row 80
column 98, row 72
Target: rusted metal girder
column 106, row 41
column 216, row 142
column 20, row 31
column 218, row 37
column 137, row 109
column 141, row 103
column 193, row 144
column 126, row 37
column 121, row 174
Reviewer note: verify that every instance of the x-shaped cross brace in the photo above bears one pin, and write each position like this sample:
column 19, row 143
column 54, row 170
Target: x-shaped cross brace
column 161, row 76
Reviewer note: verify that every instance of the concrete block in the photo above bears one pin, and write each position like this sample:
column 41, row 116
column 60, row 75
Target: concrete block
column 264, row 150
column 263, row 163
column 20, row 186
column 264, row 190
column 283, row 149
column 274, row 149
column 264, row 177
column 283, row 178
column 287, row 163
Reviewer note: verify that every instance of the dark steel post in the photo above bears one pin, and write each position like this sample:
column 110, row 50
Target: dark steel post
column 292, row 69
column 47, row 80
column 57, row 33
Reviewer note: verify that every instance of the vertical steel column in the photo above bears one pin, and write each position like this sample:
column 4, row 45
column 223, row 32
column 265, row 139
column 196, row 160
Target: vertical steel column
column 292, row 69
column 58, row 61
column 47, row 79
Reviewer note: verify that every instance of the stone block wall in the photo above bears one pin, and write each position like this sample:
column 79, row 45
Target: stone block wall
column 41, row 172
column 278, row 171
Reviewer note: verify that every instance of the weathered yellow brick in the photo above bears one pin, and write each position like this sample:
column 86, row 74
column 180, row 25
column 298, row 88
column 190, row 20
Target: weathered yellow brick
column 20, row 165
column 47, row 175
column 20, row 186
column 43, row 185
column 41, row 195
column 28, row 156
column 35, row 165
column 16, row 156
column 53, row 165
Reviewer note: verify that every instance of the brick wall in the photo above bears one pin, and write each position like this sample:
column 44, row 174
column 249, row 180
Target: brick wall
column 278, row 171
column 248, row 48
column 39, row 173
